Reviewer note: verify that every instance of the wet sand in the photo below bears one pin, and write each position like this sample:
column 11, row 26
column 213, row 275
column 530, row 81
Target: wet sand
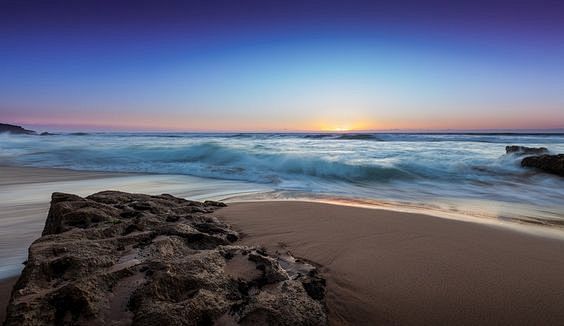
column 24, row 203
column 12, row 175
column 394, row 268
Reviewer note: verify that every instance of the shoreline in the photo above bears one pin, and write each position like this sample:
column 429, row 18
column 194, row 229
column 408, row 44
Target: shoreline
column 25, row 195
column 544, row 227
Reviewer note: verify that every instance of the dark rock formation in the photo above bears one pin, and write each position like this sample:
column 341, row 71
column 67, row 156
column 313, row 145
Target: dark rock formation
column 15, row 129
column 523, row 150
column 548, row 163
column 118, row 258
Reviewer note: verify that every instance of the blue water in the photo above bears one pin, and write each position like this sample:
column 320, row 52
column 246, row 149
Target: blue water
column 408, row 168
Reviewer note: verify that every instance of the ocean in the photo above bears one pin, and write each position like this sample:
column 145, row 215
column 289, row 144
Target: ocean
column 467, row 174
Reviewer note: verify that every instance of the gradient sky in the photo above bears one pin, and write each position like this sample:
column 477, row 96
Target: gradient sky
column 282, row 65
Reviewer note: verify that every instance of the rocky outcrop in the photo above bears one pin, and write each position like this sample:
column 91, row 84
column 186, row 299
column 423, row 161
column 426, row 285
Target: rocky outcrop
column 15, row 129
column 548, row 163
column 523, row 150
column 115, row 258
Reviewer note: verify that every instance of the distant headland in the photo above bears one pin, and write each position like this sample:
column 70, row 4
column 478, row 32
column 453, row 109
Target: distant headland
column 13, row 129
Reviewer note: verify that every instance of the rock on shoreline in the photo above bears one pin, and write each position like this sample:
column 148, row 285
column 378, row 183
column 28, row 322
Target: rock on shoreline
column 118, row 258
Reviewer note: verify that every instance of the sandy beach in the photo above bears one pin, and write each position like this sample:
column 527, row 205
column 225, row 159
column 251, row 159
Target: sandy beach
column 382, row 267
column 395, row 268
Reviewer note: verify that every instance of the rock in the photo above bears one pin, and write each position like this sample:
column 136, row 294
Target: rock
column 548, row 163
column 15, row 129
column 523, row 150
column 45, row 133
column 120, row 258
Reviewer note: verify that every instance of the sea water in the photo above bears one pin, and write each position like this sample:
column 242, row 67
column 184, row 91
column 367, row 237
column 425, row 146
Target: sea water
column 467, row 173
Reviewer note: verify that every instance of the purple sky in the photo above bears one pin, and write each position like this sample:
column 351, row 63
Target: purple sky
column 282, row 65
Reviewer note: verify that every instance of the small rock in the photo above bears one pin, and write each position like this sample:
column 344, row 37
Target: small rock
column 214, row 203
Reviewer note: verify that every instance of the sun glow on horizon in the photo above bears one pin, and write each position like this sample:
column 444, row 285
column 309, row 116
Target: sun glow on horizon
column 335, row 128
column 344, row 126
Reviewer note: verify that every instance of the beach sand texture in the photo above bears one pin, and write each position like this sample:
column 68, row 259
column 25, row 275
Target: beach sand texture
column 395, row 268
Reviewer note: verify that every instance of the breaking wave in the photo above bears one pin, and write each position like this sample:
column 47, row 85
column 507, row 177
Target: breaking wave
column 397, row 166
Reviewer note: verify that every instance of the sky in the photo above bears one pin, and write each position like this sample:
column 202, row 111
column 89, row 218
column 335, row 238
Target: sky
column 282, row 65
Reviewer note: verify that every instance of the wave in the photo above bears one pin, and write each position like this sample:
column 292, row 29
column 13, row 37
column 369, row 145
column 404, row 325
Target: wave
column 358, row 137
column 403, row 165
column 342, row 136
column 210, row 159
column 214, row 160
column 260, row 162
column 318, row 136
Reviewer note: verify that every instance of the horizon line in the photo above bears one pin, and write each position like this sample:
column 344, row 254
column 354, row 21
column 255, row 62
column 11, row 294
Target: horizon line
column 103, row 129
